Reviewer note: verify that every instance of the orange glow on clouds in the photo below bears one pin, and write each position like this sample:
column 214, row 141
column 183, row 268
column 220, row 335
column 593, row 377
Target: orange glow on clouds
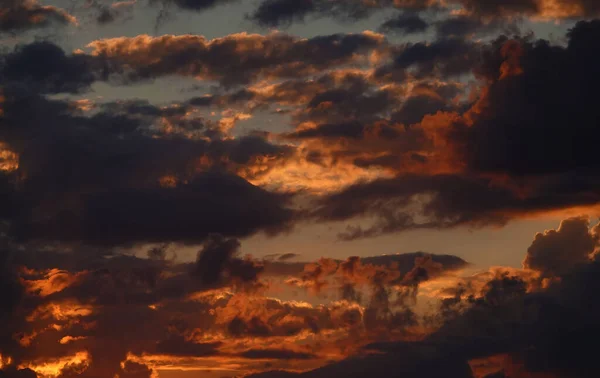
column 54, row 281
column 9, row 160
column 50, row 368
column 61, row 311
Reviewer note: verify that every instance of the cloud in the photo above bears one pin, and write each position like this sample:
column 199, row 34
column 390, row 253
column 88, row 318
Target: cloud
column 556, row 252
column 441, row 58
column 235, row 59
column 488, row 164
column 193, row 5
column 218, row 257
column 546, row 8
column 116, row 189
column 177, row 346
column 506, row 130
column 59, row 72
column 405, row 23
column 535, row 327
column 287, row 256
column 468, row 26
column 273, row 13
column 410, row 362
column 279, row 354
column 20, row 15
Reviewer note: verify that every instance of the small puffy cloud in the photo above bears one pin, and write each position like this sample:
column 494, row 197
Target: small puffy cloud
column 555, row 252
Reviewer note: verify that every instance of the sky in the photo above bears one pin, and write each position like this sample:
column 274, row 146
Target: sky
column 299, row 188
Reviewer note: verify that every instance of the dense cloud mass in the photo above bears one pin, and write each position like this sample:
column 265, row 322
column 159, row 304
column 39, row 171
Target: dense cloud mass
column 531, row 125
column 124, row 185
column 183, row 194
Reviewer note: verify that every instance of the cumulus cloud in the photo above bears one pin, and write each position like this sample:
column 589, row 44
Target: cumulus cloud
column 556, row 252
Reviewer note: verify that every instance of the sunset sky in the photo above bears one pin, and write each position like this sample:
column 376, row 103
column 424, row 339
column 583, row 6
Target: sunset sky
column 299, row 188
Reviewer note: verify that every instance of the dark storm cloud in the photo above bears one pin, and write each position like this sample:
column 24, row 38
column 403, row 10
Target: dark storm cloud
column 91, row 181
column 533, row 120
column 21, row 15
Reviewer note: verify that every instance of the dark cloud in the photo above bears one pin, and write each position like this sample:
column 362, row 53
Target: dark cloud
column 411, row 362
column 416, row 107
column 537, row 330
column 552, row 8
column 444, row 57
column 166, row 214
column 452, row 200
column 279, row 354
column 111, row 180
column 501, row 134
column 234, row 59
column 21, row 15
column 546, row 331
column 12, row 372
column 466, row 26
column 287, row 256
column 44, row 67
column 526, row 100
column 178, row 346
column 276, row 12
column 217, row 261
column 556, row 252
column 495, row 7
column 193, row 5
column 273, row 13
column 351, row 130
column 403, row 262
column 213, row 257
column 106, row 15
column 405, row 23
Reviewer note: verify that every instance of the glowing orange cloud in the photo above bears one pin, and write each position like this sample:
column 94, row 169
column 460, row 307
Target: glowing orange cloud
column 50, row 368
